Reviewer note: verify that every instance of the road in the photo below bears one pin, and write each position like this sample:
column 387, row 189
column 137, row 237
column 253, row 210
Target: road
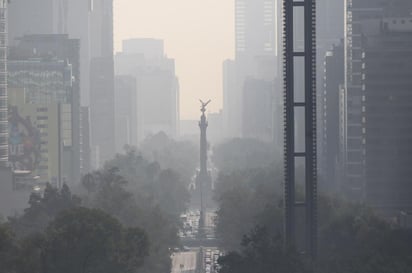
column 203, row 252
column 184, row 261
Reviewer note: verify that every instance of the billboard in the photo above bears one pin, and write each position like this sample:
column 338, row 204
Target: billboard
column 24, row 142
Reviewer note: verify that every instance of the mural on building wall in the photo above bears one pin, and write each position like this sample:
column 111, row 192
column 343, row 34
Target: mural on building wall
column 24, row 142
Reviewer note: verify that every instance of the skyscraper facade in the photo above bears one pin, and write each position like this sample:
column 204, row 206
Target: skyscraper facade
column 256, row 27
column 387, row 115
column 375, row 114
column 329, row 115
column 156, row 83
column 126, row 112
column 40, row 17
column 102, row 115
column 3, row 85
column 57, row 47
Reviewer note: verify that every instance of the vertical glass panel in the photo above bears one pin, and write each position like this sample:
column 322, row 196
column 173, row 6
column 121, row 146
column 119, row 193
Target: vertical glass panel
column 298, row 29
column 299, row 79
column 299, row 129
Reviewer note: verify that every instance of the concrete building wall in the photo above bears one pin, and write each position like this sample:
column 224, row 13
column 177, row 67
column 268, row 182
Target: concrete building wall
column 40, row 138
column 57, row 47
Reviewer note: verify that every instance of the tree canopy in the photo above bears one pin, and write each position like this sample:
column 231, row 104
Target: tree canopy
column 77, row 240
column 352, row 238
column 142, row 203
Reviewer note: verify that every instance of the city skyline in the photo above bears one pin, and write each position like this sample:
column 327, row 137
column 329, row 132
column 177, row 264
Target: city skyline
column 210, row 42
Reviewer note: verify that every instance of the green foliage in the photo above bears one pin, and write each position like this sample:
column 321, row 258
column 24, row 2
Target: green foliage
column 242, row 154
column 83, row 240
column 131, row 194
column 262, row 253
column 152, row 203
column 247, row 198
column 43, row 209
column 77, row 240
column 179, row 156
column 149, row 183
column 7, row 248
column 352, row 238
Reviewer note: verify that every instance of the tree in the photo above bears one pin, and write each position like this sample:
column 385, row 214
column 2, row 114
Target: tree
column 179, row 156
column 263, row 253
column 7, row 248
column 245, row 199
column 43, row 209
column 142, row 204
column 148, row 182
column 352, row 238
column 85, row 240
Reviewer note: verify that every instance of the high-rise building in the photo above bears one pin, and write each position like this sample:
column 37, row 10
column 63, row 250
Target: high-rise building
column 58, row 48
column 329, row 116
column 71, row 17
column 157, row 86
column 375, row 117
column 78, row 13
column 255, row 28
column 40, row 139
column 126, row 112
column 102, row 115
column 231, row 101
column 41, row 127
column 257, row 110
column 3, row 85
column 40, row 17
column 101, row 29
column 256, row 46
column 387, row 115
column 85, row 151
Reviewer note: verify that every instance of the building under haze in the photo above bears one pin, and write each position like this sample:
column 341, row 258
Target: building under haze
column 40, row 139
column 28, row 17
column 102, row 113
column 40, row 119
column 126, row 112
column 329, row 115
column 256, row 56
column 156, row 83
column 257, row 110
column 3, row 86
column 56, row 17
column 255, row 28
column 39, row 64
column 376, row 103
column 85, row 149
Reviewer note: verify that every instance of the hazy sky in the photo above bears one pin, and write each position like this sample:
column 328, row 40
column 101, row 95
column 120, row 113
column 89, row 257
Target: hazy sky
column 199, row 34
